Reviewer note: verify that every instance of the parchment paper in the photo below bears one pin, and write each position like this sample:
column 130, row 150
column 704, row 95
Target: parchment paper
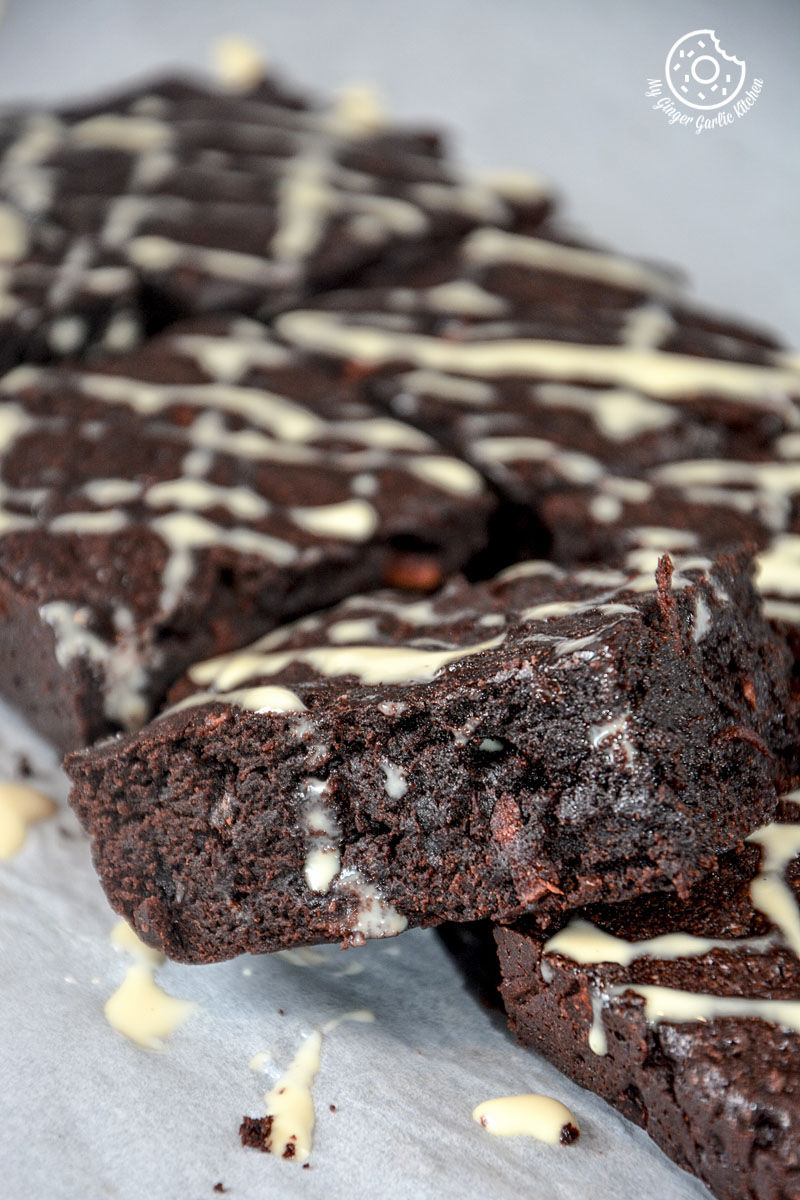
column 88, row 1114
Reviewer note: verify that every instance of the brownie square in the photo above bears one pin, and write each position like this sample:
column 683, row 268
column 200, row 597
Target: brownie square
column 545, row 739
column 685, row 1015
column 182, row 499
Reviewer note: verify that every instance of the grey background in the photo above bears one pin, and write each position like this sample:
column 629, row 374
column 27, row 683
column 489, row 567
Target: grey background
column 557, row 88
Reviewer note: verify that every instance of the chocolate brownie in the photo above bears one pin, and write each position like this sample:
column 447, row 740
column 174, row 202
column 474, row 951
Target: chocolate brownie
column 182, row 499
column 61, row 295
column 553, row 368
column 685, row 1015
column 393, row 763
column 243, row 200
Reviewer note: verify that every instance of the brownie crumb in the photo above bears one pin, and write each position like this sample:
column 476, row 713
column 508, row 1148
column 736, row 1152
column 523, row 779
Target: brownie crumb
column 569, row 1134
column 290, row 1149
column 24, row 768
column 332, row 1107
column 255, row 1131
column 306, row 1166
column 220, row 1187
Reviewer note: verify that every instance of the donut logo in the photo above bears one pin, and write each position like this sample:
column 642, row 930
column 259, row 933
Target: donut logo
column 701, row 74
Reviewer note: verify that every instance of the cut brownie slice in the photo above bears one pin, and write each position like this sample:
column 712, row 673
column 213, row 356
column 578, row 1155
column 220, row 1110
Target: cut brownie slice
column 183, row 499
column 233, row 201
column 683, row 1015
column 393, row 763
column 552, row 367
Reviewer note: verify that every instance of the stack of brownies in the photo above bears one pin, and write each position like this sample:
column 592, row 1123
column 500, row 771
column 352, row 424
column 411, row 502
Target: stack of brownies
column 417, row 563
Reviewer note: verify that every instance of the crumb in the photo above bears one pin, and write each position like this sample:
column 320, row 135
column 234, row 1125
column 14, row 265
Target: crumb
column 24, row 766
column 290, row 1148
column 569, row 1134
column 281, row 1013
column 332, row 1107
column 255, row 1131
column 219, row 1187
column 306, row 1166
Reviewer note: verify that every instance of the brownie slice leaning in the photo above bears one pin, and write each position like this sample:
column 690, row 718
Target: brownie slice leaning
column 185, row 498
column 546, row 737
column 683, row 1014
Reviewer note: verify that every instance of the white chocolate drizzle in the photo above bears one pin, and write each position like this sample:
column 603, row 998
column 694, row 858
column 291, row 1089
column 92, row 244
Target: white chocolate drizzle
column 618, row 413
column 659, row 374
column 584, row 943
column 190, row 512
column 290, row 1102
column 139, row 1009
column 495, row 245
column 369, row 664
column 539, row 1117
column 20, row 807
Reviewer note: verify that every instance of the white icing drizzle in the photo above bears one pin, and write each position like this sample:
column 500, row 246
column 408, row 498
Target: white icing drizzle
column 351, row 520
column 573, row 465
column 447, row 474
column 779, row 478
column 369, row 664
column 662, row 375
column 124, row 675
column 267, row 699
column 290, row 1103
column 647, row 327
column 139, row 1009
column 661, row 538
column 20, row 807
column 618, row 413
column 448, row 387
column 355, row 630
column 274, row 428
column 702, row 619
column 516, row 185
column 769, row 891
column 495, row 245
column 778, row 567
column 583, row 943
column 672, row 1004
column 539, row 1117
column 605, row 509
column 465, row 298
column 13, row 234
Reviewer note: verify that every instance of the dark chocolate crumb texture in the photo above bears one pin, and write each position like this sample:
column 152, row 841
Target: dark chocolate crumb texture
column 391, row 763
column 180, row 500
column 683, row 1015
